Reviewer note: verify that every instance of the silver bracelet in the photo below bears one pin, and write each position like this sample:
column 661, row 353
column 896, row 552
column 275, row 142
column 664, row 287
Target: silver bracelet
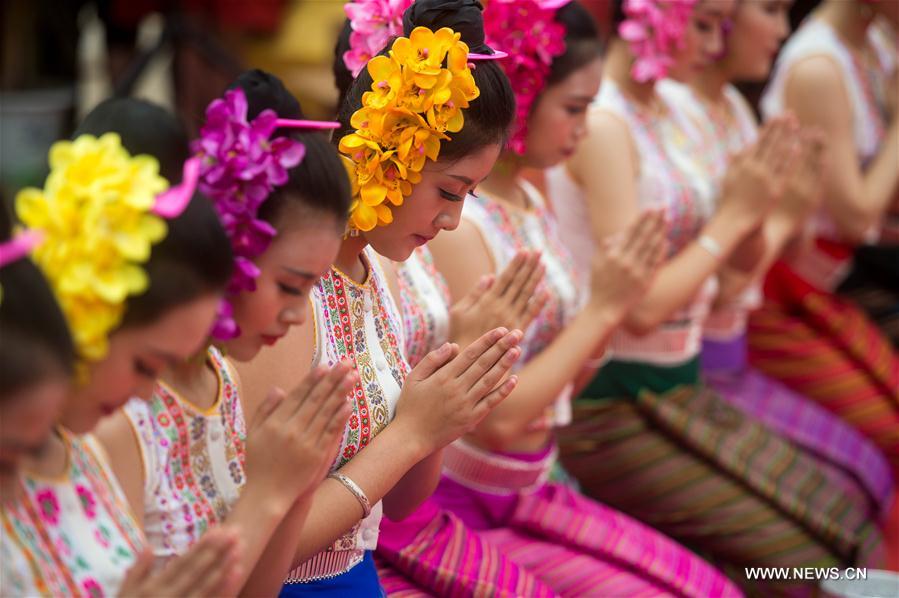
column 710, row 245
column 355, row 490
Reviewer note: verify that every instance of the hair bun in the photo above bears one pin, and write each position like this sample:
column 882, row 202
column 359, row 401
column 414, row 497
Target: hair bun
column 462, row 16
column 266, row 91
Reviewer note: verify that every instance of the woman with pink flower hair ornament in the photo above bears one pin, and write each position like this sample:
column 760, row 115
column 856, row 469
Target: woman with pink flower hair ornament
column 187, row 458
column 804, row 335
column 419, row 128
column 128, row 260
column 495, row 478
column 646, row 437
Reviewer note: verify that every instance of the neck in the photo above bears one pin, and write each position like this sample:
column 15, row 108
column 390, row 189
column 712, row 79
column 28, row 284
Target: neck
column 849, row 19
column 710, row 83
column 50, row 461
column 349, row 257
column 502, row 182
column 194, row 379
column 617, row 68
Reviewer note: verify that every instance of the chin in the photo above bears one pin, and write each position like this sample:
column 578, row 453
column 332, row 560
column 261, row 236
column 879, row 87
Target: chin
column 242, row 352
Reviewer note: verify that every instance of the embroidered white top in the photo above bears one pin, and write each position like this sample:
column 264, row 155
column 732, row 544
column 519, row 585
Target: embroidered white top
column 359, row 322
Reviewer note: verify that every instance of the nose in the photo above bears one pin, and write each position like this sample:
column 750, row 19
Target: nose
column 783, row 26
column 143, row 388
column 449, row 217
column 580, row 129
column 294, row 315
column 714, row 45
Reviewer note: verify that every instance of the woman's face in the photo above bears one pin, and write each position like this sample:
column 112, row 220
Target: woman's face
column 26, row 419
column 558, row 119
column 759, row 28
column 304, row 248
column 434, row 205
column 703, row 39
column 136, row 358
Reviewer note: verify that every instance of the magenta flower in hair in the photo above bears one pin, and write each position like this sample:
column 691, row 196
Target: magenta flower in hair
column 374, row 24
column 654, row 29
column 240, row 166
column 528, row 32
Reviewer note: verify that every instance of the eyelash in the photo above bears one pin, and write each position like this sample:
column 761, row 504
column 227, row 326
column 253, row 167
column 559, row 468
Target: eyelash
column 576, row 110
column 449, row 196
column 144, row 370
column 289, row 290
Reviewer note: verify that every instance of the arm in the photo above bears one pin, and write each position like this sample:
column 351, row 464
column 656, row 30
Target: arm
column 855, row 199
column 619, row 278
column 608, row 176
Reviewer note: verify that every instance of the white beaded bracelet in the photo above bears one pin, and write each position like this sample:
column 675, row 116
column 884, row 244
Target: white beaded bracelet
column 710, row 245
column 355, row 490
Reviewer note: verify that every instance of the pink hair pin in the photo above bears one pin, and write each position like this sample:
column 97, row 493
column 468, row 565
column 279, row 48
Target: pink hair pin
column 19, row 246
column 497, row 55
column 309, row 125
column 172, row 202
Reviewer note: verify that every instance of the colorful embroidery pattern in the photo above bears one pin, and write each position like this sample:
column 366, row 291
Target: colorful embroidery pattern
column 425, row 300
column 75, row 536
column 194, row 461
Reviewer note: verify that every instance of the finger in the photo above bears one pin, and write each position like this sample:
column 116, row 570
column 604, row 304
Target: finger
column 179, row 573
column 527, row 292
column 655, row 235
column 488, row 359
column 519, row 281
column 494, row 398
column 521, row 259
column 470, row 354
column 475, row 294
column 333, row 402
column 138, row 572
column 639, row 231
column 483, row 385
column 308, row 408
column 433, row 361
column 299, row 394
column 272, row 401
column 218, row 573
column 534, row 307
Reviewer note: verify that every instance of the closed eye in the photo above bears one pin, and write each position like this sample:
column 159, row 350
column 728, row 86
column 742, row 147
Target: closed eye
column 450, row 196
column 289, row 290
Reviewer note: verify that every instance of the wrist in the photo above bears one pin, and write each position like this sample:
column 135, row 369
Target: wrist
column 413, row 445
column 727, row 229
column 265, row 500
column 604, row 315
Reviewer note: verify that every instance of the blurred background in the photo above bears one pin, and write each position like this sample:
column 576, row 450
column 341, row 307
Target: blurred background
column 61, row 57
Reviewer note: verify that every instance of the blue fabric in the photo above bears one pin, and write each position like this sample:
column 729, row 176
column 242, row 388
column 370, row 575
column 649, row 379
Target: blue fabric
column 362, row 581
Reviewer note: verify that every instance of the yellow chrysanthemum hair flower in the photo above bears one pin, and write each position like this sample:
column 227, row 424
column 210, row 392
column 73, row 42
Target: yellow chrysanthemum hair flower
column 418, row 93
column 94, row 213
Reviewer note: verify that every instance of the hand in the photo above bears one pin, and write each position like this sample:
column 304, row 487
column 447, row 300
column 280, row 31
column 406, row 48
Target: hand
column 623, row 268
column 802, row 194
column 508, row 301
column 294, row 437
column 449, row 392
column 212, row 567
column 755, row 178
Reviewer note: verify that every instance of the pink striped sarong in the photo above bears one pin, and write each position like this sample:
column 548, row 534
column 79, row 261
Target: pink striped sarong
column 577, row 546
column 432, row 553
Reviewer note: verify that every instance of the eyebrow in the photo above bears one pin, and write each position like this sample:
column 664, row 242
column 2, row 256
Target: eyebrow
column 463, row 179
column 170, row 359
column 300, row 273
column 587, row 99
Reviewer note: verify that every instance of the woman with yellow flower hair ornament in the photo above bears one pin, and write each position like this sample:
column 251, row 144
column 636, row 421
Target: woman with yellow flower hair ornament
column 133, row 268
column 389, row 458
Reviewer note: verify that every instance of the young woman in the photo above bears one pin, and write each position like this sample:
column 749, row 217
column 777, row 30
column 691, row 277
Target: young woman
column 185, row 458
column 639, row 442
column 806, row 337
column 495, row 479
column 389, row 458
column 758, row 28
column 138, row 293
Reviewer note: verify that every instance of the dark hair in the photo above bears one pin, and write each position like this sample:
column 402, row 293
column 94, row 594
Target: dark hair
column 488, row 118
column 618, row 16
column 343, row 77
column 195, row 257
column 320, row 181
column 582, row 42
column 34, row 338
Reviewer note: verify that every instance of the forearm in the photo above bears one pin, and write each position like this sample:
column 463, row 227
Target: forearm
column 680, row 279
column 747, row 256
column 376, row 470
column 881, row 179
column 414, row 487
column 259, row 518
column 276, row 561
column 546, row 375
